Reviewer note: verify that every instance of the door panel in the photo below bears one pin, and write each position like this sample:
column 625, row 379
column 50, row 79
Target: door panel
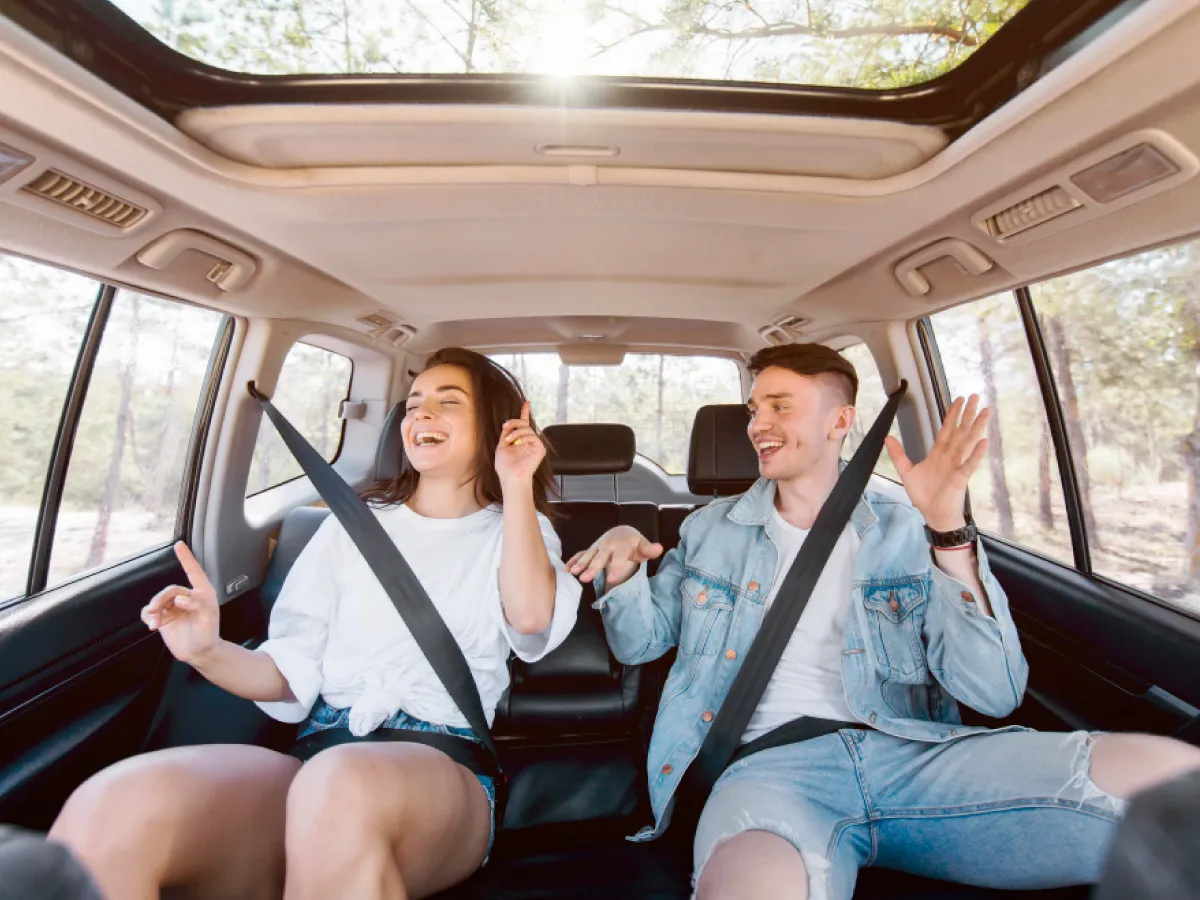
column 80, row 677
column 1100, row 657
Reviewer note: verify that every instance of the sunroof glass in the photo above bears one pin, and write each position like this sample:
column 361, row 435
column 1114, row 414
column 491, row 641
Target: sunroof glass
column 872, row 44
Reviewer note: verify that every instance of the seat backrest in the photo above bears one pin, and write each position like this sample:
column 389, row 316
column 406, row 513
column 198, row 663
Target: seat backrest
column 721, row 463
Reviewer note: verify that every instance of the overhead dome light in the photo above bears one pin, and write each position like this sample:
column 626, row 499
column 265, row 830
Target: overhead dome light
column 577, row 151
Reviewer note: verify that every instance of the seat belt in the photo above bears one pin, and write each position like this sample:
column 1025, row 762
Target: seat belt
column 778, row 625
column 407, row 594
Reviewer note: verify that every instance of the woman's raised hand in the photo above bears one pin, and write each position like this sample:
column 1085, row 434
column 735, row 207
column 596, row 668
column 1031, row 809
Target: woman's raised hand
column 187, row 617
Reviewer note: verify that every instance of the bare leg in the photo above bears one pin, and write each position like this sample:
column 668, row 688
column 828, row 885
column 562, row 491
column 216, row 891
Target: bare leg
column 1126, row 764
column 206, row 820
column 383, row 821
column 753, row 864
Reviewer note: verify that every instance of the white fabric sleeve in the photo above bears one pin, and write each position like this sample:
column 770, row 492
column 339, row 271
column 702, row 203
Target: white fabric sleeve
column 532, row 647
column 299, row 626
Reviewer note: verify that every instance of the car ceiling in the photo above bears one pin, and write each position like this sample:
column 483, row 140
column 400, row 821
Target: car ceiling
column 701, row 229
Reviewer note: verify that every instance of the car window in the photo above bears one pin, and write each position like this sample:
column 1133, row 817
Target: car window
column 872, row 397
column 1015, row 493
column 125, row 475
column 657, row 395
column 311, row 387
column 43, row 317
column 1122, row 344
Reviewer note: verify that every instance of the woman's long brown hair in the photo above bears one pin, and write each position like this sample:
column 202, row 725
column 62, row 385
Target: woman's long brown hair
column 498, row 397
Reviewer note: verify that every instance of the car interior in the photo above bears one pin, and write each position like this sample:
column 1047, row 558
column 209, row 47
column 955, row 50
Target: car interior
column 176, row 229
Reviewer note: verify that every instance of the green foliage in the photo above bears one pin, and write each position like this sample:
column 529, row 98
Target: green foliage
column 882, row 44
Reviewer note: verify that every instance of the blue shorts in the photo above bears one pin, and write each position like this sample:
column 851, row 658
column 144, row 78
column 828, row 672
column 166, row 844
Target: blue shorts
column 1011, row 810
column 323, row 717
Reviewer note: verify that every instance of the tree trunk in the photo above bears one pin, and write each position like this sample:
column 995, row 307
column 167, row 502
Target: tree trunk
column 112, row 482
column 1000, row 495
column 1189, row 449
column 564, row 387
column 472, row 36
column 1045, row 508
column 1061, row 356
column 658, row 417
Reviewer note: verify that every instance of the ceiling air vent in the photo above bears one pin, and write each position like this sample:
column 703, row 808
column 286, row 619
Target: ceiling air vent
column 385, row 327
column 1030, row 212
column 92, row 201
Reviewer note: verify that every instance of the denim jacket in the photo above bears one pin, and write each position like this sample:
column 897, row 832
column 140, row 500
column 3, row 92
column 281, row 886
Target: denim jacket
column 915, row 642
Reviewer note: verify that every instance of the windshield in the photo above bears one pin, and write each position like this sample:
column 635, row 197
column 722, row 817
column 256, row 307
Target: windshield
column 656, row 395
column 873, row 44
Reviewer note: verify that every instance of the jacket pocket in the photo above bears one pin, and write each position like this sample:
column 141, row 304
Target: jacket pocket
column 706, row 612
column 895, row 613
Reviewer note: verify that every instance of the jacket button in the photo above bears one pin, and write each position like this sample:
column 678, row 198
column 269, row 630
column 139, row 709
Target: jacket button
column 668, row 769
column 968, row 596
column 753, row 586
column 731, row 654
column 872, row 719
column 708, row 716
column 702, row 598
column 893, row 604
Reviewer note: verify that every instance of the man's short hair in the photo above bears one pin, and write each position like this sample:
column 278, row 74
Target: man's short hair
column 810, row 360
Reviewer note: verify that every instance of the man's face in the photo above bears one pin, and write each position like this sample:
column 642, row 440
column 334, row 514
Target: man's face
column 797, row 422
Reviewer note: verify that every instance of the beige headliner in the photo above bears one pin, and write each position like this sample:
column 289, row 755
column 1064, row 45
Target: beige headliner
column 450, row 220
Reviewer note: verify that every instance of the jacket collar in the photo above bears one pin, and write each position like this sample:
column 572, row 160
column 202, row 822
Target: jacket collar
column 754, row 507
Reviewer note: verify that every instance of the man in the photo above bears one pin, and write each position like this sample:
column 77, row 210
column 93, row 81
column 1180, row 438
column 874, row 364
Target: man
column 894, row 636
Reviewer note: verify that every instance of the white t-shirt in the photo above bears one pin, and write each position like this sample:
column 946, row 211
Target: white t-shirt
column 334, row 633
column 808, row 679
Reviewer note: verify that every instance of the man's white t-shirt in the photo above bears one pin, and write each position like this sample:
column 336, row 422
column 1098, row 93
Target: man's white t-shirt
column 808, row 679
column 335, row 634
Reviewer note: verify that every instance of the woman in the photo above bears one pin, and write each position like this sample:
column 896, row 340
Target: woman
column 363, row 820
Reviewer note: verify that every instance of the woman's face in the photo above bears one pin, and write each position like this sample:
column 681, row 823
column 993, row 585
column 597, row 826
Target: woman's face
column 440, row 430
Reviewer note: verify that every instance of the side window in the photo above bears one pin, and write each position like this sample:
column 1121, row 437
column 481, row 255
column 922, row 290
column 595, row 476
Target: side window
column 311, row 387
column 872, row 397
column 43, row 317
column 1122, row 339
column 1016, row 493
column 125, row 475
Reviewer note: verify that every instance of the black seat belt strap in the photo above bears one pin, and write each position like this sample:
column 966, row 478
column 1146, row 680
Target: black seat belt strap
column 393, row 572
column 778, row 625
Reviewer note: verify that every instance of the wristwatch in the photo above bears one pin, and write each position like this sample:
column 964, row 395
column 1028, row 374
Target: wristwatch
column 956, row 538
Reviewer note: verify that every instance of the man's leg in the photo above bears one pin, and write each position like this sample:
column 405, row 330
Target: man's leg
column 787, row 823
column 1008, row 810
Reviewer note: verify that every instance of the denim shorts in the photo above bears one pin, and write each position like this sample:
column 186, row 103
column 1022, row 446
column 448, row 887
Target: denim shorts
column 323, row 717
column 1014, row 809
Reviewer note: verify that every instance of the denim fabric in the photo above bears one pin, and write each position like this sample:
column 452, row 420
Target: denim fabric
column 915, row 643
column 1014, row 810
column 324, row 717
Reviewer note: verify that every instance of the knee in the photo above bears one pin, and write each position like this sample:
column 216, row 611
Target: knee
column 750, row 865
column 1126, row 764
column 120, row 810
column 335, row 796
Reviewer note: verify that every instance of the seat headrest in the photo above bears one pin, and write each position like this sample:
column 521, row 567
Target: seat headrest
column 721, row 459
column 590, row 448
column 390, row 451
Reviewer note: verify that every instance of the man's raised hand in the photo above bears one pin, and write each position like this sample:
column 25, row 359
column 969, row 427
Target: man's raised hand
column 937, row 486
column 618, row 553
column 187, row 617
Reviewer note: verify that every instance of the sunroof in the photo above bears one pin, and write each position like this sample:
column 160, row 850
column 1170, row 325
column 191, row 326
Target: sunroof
column 866, row 44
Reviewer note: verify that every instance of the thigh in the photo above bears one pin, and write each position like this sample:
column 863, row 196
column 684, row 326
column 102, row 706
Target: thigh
column 434, row 814
column 806, row 794
column 1009, row 809
column 207, row 821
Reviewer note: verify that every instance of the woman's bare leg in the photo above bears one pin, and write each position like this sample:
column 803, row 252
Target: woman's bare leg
column 375, row 821
column 207, row 821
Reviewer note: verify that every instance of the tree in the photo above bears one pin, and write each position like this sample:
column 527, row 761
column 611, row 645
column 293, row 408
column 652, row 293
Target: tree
column 112, row 482
column 1045, row 509
column 564, row 389
column 1000, row 495
column 1061, row 355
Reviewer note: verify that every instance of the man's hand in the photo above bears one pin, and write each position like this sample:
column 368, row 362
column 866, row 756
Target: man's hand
column 937, row 486
column 618, row 554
